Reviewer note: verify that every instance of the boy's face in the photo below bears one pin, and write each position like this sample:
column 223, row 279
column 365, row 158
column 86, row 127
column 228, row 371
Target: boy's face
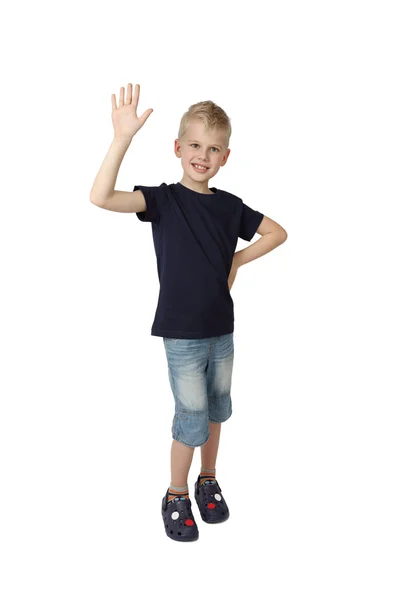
column 203, row 148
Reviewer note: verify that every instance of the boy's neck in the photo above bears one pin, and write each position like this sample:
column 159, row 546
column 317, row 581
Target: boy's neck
column 196, row 186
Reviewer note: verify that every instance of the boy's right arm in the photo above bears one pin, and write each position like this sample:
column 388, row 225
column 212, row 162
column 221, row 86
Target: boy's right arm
column 127, row 202
column 126, row 124
column 103, row 193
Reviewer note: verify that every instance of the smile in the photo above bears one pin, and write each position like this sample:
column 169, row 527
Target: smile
column 199, row 168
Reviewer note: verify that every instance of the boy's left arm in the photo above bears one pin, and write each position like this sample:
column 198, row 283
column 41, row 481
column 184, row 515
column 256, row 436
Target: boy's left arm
column 272, row 235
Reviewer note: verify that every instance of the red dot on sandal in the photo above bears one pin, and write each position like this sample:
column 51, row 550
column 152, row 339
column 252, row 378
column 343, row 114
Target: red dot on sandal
column 189, row 522
column 210, row 505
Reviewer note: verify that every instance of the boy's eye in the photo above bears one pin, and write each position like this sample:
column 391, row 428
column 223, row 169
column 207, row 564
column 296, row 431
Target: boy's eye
column 214, row 147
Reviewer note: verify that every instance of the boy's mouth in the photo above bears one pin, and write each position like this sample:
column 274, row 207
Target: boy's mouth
column 199, row 168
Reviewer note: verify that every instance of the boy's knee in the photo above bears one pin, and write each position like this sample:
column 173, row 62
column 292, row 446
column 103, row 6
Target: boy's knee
column 194, row 442
column 191, row 428
column 220, row 409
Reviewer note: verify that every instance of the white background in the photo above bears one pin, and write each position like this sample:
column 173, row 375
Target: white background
column 309, row 462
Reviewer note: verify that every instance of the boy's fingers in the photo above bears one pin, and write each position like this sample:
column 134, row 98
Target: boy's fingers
column 121, row 96
column 129, row 93
column 145, row 115
column 136, row 96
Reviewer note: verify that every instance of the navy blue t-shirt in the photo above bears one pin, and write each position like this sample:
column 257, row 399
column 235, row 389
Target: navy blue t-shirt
column 195, row 237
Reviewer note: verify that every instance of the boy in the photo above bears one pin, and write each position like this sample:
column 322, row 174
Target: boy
column 195, row 232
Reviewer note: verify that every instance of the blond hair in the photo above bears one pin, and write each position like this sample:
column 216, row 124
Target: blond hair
column 210, row 114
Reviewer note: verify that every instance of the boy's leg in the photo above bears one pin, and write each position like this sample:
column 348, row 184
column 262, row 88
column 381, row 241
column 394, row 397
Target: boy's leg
column 182, row 456
column 219, row 379
column 187, row 368
column 181, row 460
column 207, row 492
column 209, row 450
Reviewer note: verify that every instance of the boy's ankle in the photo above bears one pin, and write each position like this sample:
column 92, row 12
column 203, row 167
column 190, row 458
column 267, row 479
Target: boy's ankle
column 175, row 491
column 207, row 475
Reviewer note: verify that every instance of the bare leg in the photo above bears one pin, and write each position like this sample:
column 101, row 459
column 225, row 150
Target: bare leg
column 209, row 450
column 181, row 459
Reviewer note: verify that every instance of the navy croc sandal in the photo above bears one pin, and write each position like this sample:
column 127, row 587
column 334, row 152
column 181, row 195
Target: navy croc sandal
column 211, row 503
column 178, row 519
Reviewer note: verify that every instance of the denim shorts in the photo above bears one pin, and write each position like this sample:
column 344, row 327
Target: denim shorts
column 200, row 374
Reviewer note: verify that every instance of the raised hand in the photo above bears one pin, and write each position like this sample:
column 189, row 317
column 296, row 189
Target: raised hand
column 125, row 121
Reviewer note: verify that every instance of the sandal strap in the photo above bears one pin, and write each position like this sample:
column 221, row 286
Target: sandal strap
column 173, row 503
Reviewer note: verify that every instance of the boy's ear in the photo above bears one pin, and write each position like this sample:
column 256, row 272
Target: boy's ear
column 227, row 153
column 177, row 148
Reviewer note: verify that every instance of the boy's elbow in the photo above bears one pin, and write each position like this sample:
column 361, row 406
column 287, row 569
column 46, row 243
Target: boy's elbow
column 93, row 201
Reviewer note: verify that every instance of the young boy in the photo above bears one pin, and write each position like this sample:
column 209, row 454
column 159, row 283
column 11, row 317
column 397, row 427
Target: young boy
column 195, row 231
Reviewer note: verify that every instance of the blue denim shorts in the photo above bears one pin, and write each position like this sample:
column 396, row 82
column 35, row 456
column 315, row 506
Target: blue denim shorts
column 200, row 374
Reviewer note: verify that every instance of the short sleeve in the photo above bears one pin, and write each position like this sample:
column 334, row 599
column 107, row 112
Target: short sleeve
column 249, row 222
column 151, row 196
